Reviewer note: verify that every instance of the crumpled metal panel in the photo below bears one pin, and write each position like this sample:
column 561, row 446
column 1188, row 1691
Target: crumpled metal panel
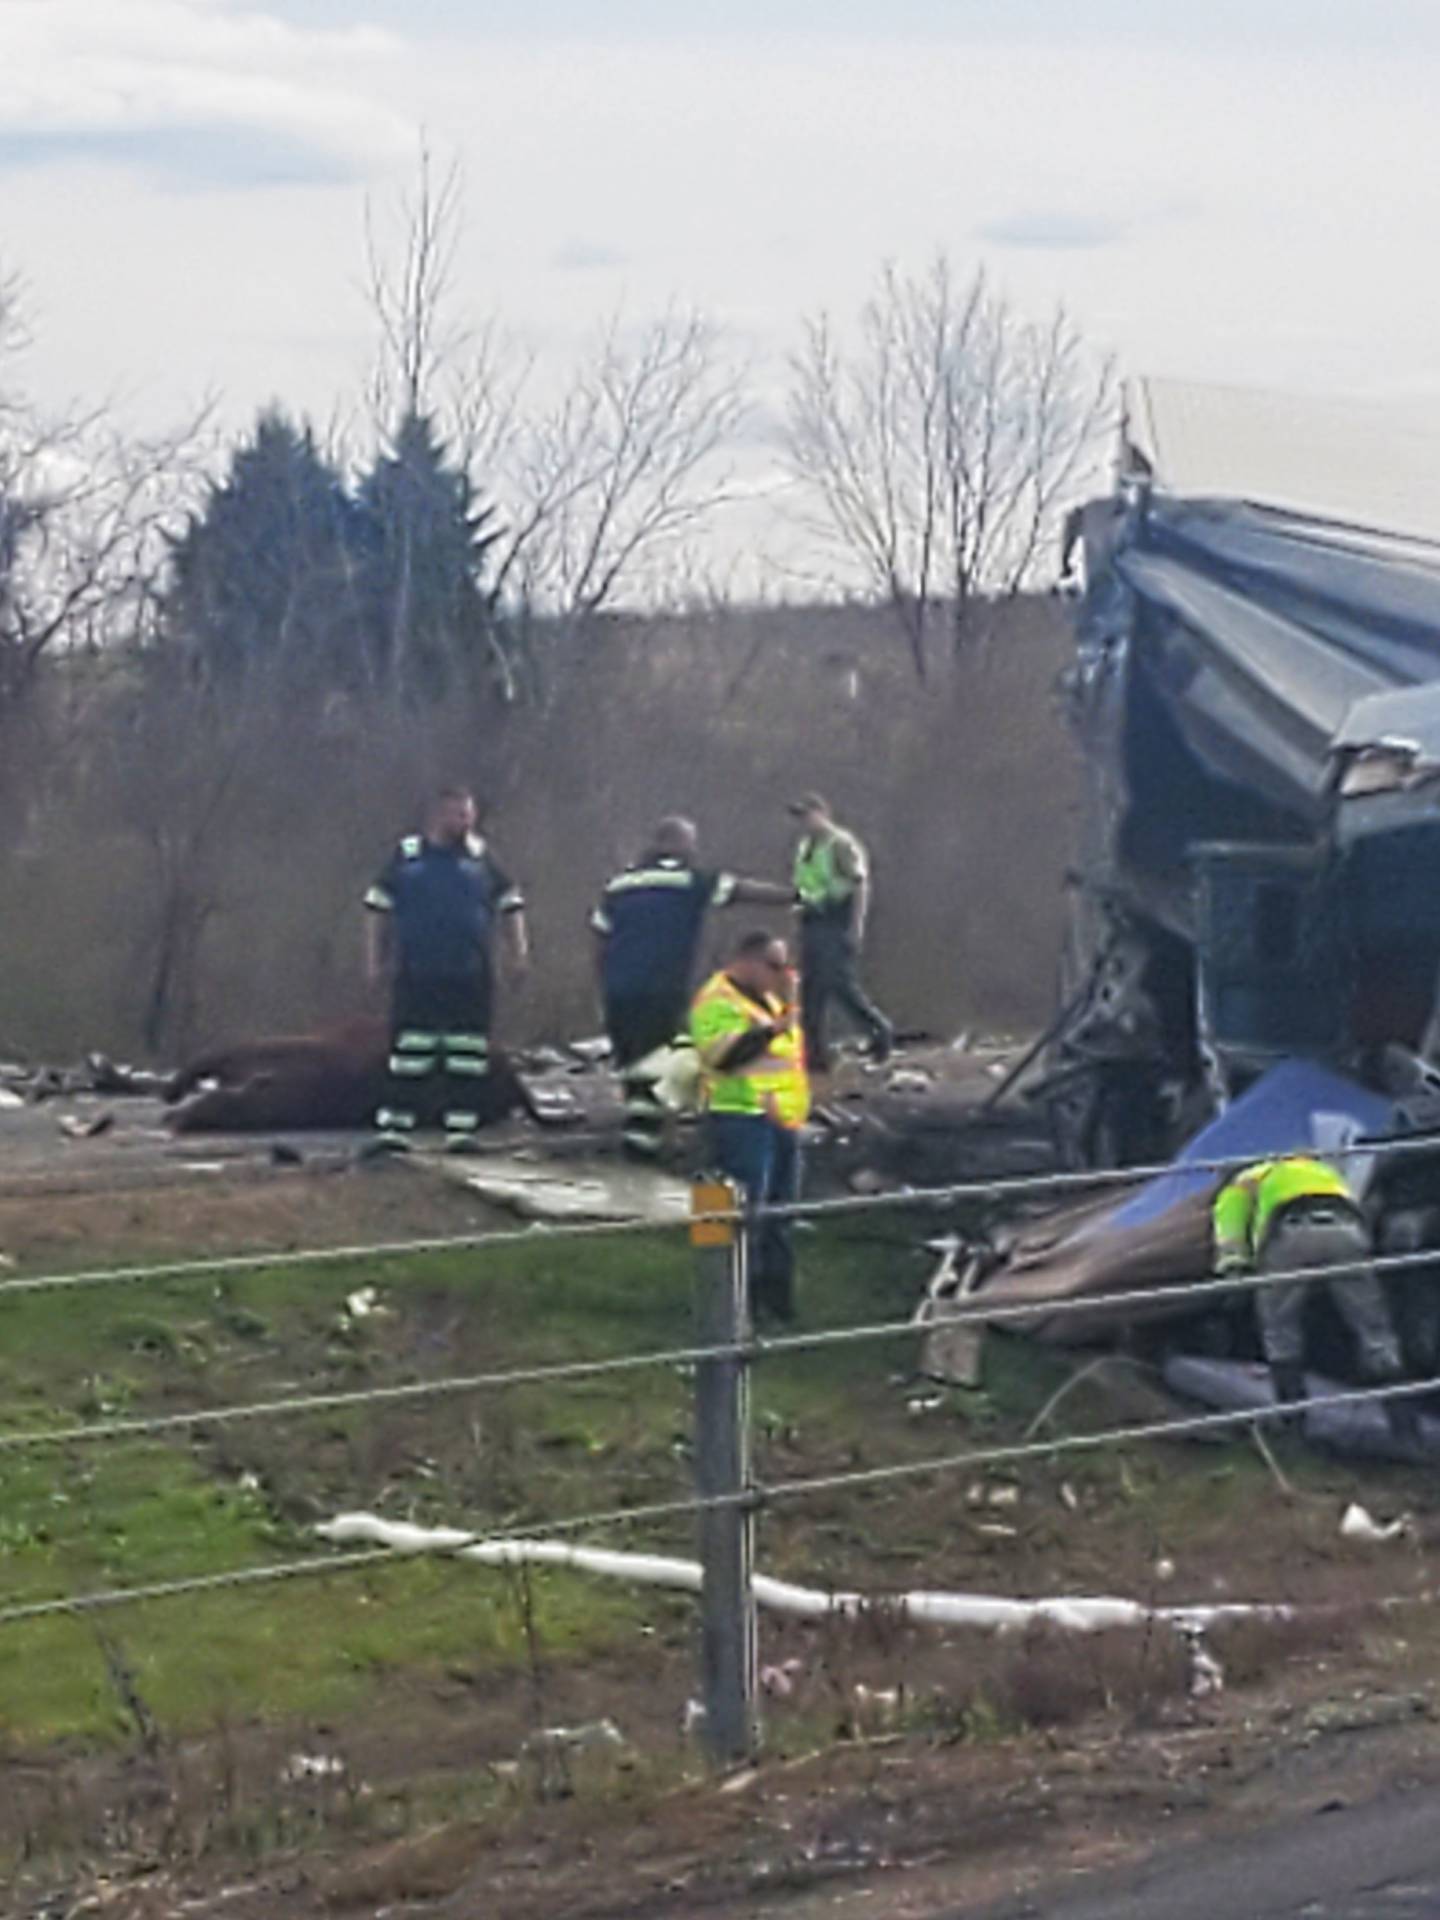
column 1157, row 1234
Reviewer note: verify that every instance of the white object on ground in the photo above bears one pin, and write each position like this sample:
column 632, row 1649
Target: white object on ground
column 1076, row 1614
column 10, row 1102
column 313, row 1766
column 910, row 1080
column 595, row 1733
column 1359, row 1524
column 363, row 1303
column 604, row 1193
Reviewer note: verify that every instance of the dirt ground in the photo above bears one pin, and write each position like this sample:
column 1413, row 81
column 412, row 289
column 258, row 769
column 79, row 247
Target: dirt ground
column 909, row 1825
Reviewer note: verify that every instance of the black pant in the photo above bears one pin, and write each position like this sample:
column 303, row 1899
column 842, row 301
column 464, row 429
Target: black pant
column 439, row 1054
column 829, row 971
column 638, row 1024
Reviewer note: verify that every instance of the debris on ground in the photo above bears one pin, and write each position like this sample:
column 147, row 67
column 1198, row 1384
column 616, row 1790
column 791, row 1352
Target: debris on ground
column 80, row 1126
column 312, row 1766
column 1359, row 1524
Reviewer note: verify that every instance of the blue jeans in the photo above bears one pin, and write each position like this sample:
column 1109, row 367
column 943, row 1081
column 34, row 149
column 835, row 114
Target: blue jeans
column 764, row 1159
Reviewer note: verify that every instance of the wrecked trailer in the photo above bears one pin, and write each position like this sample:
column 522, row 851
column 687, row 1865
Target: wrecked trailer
column 1256, row 693
column 1254, row 940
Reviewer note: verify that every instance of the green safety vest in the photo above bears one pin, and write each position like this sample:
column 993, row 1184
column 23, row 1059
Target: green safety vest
column 1247, row 1207
column 776, row 1084
column 819, row 881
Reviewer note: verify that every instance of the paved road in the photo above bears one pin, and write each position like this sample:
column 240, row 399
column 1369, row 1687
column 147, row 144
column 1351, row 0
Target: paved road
column 1376, row 1862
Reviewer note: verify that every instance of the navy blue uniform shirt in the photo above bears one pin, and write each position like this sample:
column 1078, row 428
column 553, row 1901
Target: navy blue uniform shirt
column 650, row 917
column 445, row 901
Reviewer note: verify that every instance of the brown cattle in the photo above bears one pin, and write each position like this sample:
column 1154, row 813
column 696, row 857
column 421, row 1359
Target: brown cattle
column 333, row 1078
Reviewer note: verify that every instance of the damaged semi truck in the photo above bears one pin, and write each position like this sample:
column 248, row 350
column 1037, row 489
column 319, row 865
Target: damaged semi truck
column 1256, row 693
column 1254, row 940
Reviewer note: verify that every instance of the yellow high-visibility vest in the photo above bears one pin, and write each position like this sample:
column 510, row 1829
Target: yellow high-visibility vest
column 777, row 1083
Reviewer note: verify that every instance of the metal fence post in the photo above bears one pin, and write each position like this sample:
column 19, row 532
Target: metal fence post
column 728, row 1652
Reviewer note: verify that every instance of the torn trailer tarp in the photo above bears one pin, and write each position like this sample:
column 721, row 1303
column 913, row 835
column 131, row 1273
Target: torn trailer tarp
column 1157, row 1233
column 1255, row 664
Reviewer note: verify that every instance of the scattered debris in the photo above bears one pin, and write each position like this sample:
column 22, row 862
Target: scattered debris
column 1207, row 1676
column 924, row 1403
column 779, row 1681
column 363, row 1304
column 879, row 1706
column 1361, row 1525
column 9, row 1100
column 594, row 1733
column 980, row 1495
column 693, row 1718
column 951, row 1351
column 602, row 1191
column 868, row 1181
column 312, row 1766
column 76, row 1126
column 910, row 1080
column 556, row 1106
column 282, row 1154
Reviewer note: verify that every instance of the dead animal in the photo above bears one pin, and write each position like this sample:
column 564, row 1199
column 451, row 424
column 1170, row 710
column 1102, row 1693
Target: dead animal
column 333, row 1078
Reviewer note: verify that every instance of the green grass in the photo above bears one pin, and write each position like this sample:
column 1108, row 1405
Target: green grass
column 78, row 1518
column 126, row 1512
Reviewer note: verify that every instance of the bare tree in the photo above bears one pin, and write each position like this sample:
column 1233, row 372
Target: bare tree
column 600, row 470
column 409, row 279
column 624, row 468
column 939, row 451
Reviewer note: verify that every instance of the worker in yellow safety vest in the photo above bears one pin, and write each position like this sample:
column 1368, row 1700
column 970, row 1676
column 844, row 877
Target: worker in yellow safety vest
column 1290, row 1214
column 832, row 896
column 756, row 1096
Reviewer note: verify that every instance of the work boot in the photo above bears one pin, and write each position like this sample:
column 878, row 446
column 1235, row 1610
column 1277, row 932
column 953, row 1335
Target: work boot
column 882, row 1046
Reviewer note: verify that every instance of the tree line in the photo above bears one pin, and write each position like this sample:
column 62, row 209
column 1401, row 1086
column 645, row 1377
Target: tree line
column 191, row 621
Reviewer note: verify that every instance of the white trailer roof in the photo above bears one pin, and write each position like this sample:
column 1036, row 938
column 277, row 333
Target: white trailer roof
column 1368, row 464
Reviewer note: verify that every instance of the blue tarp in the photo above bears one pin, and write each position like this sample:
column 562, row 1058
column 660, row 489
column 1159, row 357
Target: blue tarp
column 1279, row 1114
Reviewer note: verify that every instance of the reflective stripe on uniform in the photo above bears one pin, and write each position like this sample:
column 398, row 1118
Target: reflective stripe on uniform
column 652, row 877
column 413, row 1066
column 465, row 1043
column 467, row 1066
column 396, row 1119
column 413, row 1041
column 459, row 1121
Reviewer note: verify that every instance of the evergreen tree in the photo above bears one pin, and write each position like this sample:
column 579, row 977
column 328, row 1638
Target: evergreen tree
column 264, row 577
column 425, row 537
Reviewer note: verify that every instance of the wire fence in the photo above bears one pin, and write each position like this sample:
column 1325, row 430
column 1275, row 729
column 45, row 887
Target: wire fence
column 758, row 1496
column 1002, row 1190
column 574, row 1372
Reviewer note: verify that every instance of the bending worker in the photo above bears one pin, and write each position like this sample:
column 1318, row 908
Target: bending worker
column 647, row 929
column 757, row 1099
column 434, row 912
column 1289, row 1214
column 832, row 890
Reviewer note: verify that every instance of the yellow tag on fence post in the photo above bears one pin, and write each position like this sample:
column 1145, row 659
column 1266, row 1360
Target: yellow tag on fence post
column 711, row 1197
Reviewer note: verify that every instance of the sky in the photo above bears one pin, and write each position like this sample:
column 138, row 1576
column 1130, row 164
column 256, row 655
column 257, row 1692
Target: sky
column 1236, row 190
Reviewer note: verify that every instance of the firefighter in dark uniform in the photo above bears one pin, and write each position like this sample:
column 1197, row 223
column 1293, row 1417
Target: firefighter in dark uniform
column 434, row 913
column 647, row 929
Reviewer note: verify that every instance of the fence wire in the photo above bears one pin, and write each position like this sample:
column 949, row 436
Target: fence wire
column 756, row 1496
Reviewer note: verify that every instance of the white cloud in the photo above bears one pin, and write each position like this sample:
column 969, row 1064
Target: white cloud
column 187, row 89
